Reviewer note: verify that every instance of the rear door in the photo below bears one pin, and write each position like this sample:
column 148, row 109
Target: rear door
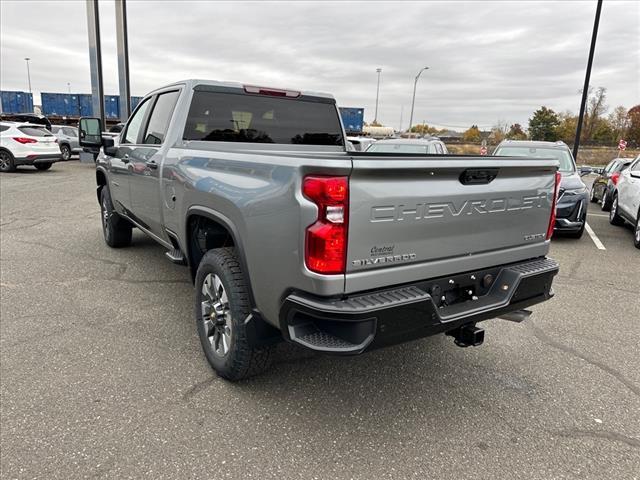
column 426, row 217
column 145, row 158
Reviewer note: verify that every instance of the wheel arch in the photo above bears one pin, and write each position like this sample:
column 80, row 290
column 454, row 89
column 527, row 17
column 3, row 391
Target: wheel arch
column 101, row 181
column 226, row 234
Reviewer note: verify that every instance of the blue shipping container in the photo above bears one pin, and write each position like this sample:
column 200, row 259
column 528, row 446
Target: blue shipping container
column 16, row 102
column 111, row 106
column 60, row 104
column 352, row 119
column 86, row 107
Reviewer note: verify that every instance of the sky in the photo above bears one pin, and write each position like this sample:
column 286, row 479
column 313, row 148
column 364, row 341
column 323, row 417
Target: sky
column 489, row 62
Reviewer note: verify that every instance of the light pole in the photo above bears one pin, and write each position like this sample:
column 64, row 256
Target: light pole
column 379, row 70
column 413, row 101
column 28, row 72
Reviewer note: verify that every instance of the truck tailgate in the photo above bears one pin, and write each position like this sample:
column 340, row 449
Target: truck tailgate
column 417, row 217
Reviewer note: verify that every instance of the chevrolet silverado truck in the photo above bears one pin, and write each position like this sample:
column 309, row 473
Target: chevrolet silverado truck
column 287, row 235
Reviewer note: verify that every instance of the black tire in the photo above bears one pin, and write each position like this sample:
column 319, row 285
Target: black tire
column 116, row 230
column 43, row 166
column 592, row 196
column 614, row 216
column 7, row 162
column 241, row 359
column 636, row 231
column 65, row 150
column 605, row 206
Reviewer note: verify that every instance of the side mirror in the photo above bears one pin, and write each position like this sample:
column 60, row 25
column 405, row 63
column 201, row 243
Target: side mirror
column 90, row 132
column 585, row 170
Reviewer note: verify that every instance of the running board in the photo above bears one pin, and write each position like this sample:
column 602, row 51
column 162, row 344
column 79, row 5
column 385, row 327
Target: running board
column 176, row 256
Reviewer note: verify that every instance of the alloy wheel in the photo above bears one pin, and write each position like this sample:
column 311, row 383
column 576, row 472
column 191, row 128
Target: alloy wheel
column 216, row 314
column 5, row 162
column 614, row 208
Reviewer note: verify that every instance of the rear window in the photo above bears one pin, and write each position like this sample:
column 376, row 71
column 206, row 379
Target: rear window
column 35, row 131
column 562, row 155
column 228, row 117
column 398, row 148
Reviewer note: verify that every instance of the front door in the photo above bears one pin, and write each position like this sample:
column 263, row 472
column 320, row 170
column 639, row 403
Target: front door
column 120, row 164
column 146, row 164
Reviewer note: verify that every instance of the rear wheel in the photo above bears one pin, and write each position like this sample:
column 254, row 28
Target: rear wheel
column 636, row 233
column 116, row 230
column 222, row 305
column 614, row 216
column 592, row 197
column 66, row 152
column 7, row 163
column 43, row 166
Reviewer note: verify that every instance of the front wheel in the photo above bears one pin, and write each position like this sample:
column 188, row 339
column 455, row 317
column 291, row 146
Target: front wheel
column 614, row 215
column 221, row 307
column 116, row 230
column 7, row 163
column 43, row 166
column 592, row 196
column 636, row 233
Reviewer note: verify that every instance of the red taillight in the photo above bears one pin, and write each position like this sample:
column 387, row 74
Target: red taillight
column 554, row 202
column 615, row 176
column 24, row 140
column 326, row 238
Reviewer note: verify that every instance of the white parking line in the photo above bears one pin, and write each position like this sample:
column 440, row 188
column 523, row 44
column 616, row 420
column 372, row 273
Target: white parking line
column 594, row 237
column 598, row 215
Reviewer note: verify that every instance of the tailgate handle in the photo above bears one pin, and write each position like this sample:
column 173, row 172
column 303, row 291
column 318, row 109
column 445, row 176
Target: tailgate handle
column 478, row 176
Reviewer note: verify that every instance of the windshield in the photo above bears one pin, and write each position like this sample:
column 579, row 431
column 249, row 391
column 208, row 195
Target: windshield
column 398, row 148
column 563, row 156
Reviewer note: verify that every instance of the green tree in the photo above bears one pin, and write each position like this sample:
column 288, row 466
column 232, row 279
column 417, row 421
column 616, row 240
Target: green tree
column 603, row 134
column 472, row 135
column 543, row 125
column 516, row 133
column 566, row 131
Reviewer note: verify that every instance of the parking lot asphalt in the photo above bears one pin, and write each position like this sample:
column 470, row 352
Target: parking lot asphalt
column 102, row 373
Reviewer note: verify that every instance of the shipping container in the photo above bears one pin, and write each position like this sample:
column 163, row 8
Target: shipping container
column 16, row 102
column 111, row 106
column 60, row 104
column 86, row 107
column 352, row 119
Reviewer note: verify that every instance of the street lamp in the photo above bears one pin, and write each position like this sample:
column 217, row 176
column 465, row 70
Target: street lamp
column 28, row 73
column 413, row 101
column 379, row 70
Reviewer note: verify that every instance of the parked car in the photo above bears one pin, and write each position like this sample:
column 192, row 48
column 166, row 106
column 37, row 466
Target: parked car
column 360, row 144
column 605, row 183
column 409, row 145
column 625, row 204
column 573, row 197
column 117, row 128
column 27, row 144
column 287, row 235
column 67, row 139
column 32, row 118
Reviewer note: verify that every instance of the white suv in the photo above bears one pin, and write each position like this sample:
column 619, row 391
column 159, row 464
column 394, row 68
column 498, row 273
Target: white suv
column 27, row 144
column 625, row 206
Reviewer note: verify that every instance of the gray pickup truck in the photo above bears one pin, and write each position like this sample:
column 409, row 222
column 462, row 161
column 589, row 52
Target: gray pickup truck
column 288, row 235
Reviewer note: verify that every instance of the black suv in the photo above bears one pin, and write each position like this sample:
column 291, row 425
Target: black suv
column 573, row 197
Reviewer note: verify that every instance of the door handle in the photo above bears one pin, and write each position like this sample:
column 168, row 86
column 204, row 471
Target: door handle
column 151, row 164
